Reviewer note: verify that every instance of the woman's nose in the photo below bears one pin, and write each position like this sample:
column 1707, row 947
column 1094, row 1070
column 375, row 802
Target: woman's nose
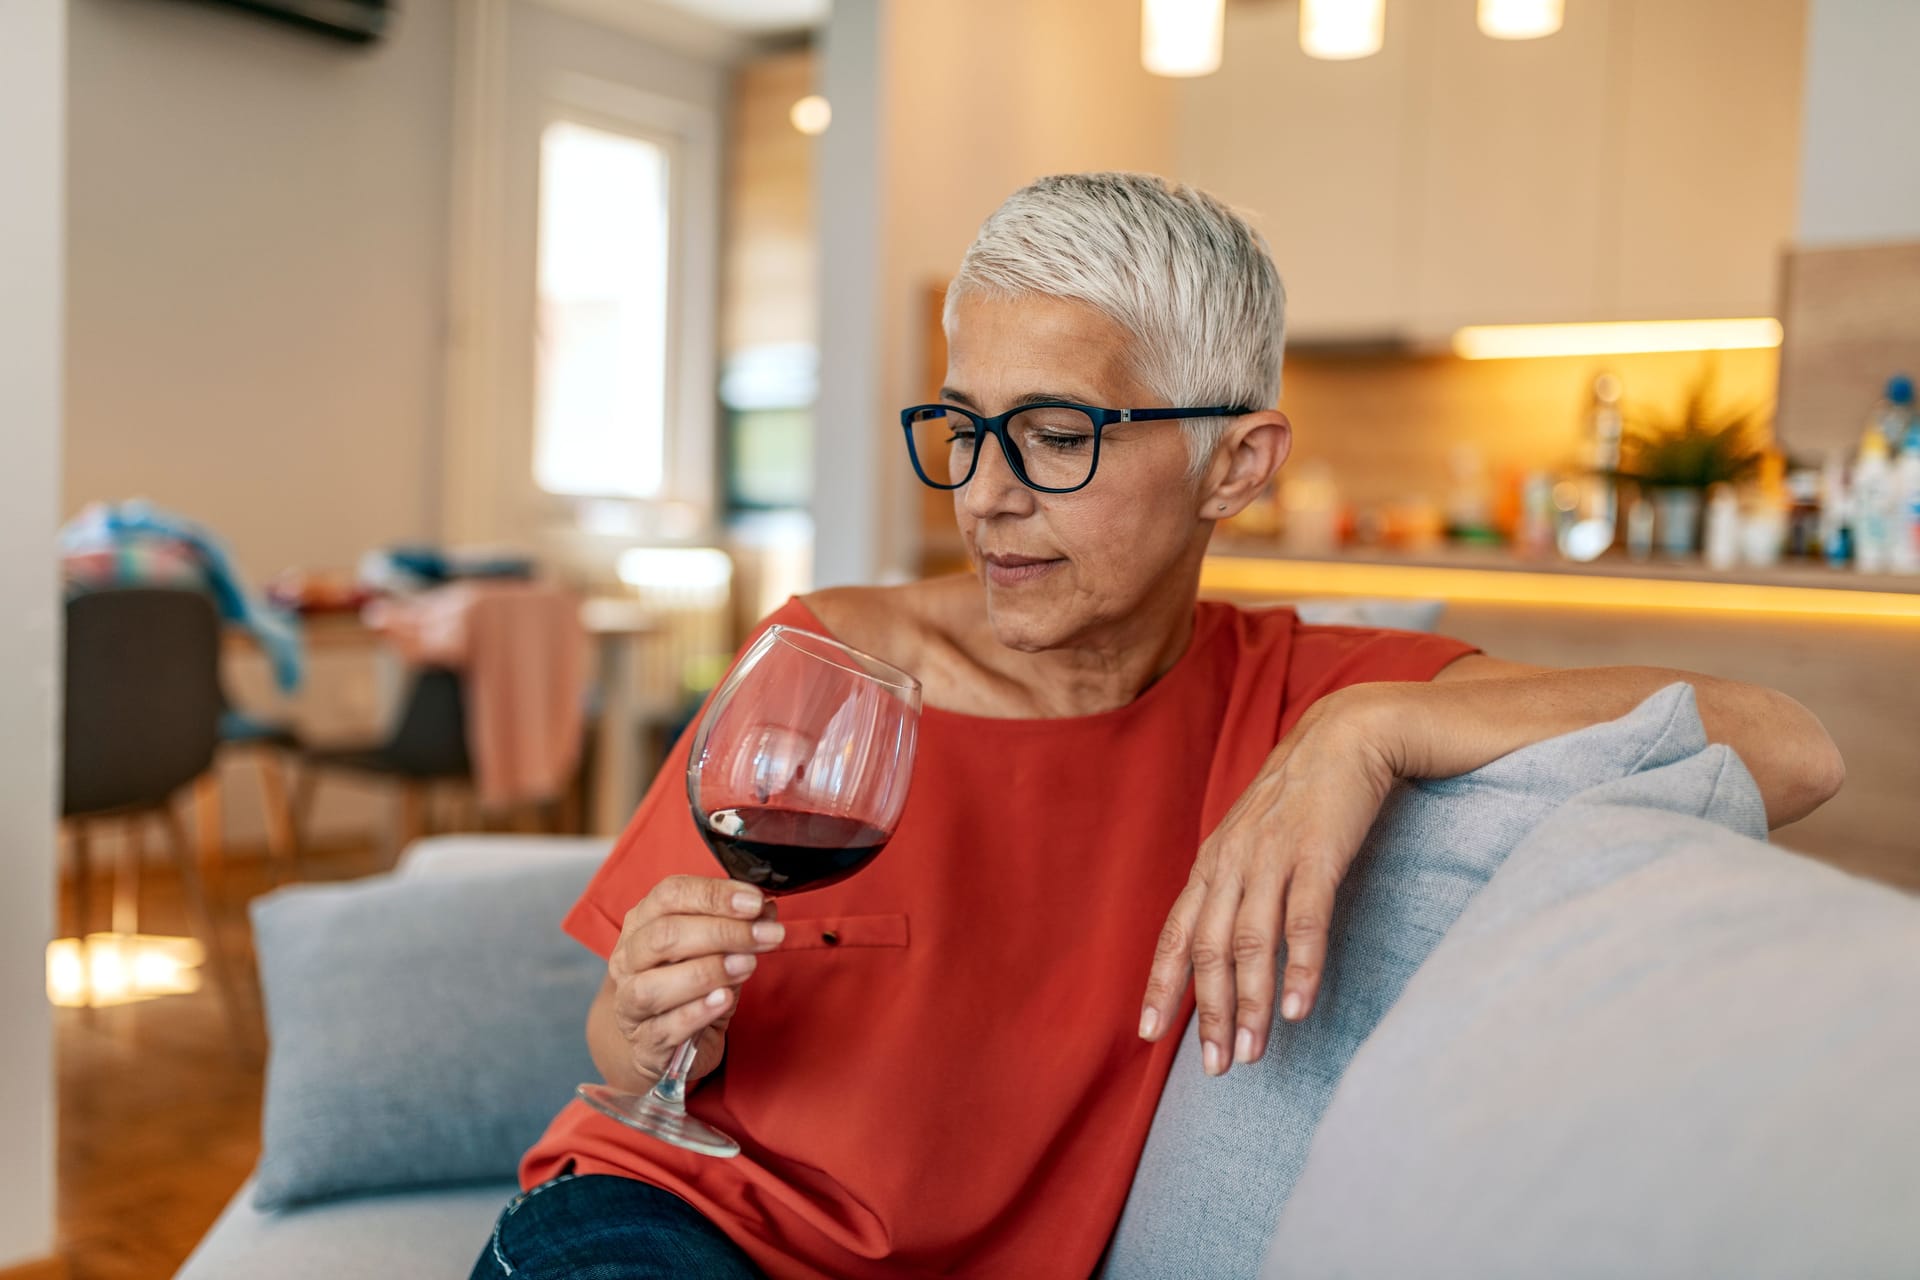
column 994, row 489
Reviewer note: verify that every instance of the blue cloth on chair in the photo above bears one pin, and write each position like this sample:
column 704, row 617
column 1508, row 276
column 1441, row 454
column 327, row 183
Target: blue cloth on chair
column 111, row 544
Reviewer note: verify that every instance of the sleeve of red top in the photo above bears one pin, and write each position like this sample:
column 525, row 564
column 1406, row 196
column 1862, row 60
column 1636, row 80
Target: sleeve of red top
column 624, row 878
column 634, row 866
column 1324, row 659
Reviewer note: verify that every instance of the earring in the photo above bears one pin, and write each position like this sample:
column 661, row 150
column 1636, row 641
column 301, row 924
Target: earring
column 1223, row 506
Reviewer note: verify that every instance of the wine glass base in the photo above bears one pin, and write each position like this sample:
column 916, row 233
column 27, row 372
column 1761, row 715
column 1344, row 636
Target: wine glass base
column 649, row 1115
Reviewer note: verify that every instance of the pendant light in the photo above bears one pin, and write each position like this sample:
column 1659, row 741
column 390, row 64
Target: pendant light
column 1521, row 19
column 1338, row 30
column 1181, row 37
column 811, row 115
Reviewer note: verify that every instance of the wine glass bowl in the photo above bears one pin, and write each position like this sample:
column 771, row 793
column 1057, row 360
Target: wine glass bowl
column 797, row 777
column 799, row 783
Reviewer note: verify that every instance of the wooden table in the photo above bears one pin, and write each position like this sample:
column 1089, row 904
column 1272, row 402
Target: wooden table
column 617, row 625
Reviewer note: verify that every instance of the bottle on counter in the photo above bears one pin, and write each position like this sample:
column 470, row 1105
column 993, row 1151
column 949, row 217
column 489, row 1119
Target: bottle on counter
column 1591, row 516
column 1894, row 413
column 1723, row 528
column 1905, row 553
column 1534, row 539
column 1803, row 513
column 1766, row 513
column 1310, row 510
column 1836, row 513
column 1469, row 508
column 1640, row 519
column 1873, row 504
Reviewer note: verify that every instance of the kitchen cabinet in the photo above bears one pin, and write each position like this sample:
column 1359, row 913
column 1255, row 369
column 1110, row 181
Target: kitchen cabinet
column 1509, row 152
column 1641, row 163
column 1708, row 106
column 1313, row 153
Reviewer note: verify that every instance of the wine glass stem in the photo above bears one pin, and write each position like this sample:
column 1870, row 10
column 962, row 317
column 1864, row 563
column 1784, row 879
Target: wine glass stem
column 672, row 1087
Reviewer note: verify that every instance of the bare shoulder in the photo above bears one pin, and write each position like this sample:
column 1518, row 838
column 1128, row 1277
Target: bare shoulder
column 916, row 626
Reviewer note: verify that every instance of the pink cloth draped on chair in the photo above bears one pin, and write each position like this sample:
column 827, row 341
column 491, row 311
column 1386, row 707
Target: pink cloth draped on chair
column 522, row 652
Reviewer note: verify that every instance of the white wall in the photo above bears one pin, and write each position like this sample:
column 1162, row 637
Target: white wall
column 1859, row 181
column 849, row 187
column 977, row 97
column 258, row 227
column 32, row 111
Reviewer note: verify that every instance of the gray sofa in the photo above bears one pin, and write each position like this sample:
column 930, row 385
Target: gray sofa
column 1580, row 1020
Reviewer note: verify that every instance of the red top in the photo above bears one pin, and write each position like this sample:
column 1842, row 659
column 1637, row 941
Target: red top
column 957, row 1087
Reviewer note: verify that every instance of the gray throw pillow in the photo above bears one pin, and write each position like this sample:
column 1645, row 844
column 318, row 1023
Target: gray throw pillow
column 1223, row 1154
column 424, row 1029
column 1651, row 1047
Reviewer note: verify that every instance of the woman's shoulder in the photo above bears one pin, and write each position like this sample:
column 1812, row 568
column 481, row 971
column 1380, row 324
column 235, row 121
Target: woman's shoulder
column 912, row 625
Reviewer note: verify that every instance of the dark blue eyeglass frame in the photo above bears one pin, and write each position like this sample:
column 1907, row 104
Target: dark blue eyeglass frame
column 996, row 426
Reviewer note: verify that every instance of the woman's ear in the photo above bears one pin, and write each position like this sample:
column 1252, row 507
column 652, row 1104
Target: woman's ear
column 1255, row 446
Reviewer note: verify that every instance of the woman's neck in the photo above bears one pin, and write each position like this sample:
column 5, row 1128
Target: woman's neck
column 1104, row 668
column 940, row 630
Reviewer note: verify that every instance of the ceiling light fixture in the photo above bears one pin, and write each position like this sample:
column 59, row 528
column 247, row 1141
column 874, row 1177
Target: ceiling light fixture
column 1181, row 37
column 1521, row 19
column 1340, row 30
column 811, row 115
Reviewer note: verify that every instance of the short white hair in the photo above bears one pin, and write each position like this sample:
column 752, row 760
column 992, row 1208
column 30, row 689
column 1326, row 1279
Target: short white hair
column 1178, row 269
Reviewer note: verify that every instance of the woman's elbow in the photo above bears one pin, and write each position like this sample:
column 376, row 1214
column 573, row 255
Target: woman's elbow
column 1827, row 772
column 1811, row 773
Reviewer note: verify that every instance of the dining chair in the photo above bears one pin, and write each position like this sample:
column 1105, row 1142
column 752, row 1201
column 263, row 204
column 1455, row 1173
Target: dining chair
column 270, row 747
column 142, row 713
column 427, row 745
column 427, row 749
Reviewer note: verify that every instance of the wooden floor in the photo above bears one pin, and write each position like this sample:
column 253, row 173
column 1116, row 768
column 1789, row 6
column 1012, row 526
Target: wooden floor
column 159, row 1117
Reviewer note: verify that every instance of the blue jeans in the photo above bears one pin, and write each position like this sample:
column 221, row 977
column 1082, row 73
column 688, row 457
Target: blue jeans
column 595, row 1227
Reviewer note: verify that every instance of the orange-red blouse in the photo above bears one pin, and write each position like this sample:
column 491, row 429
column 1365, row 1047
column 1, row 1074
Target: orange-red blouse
column 955, row 1086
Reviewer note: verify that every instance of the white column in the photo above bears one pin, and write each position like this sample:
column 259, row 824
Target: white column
column 1859, row 182
column 33, row 73
column 849, row 541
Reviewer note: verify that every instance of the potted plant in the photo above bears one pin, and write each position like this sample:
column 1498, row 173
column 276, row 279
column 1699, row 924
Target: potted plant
column 1675, row 457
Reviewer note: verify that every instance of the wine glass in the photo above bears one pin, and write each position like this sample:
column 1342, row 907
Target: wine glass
column 797, row 778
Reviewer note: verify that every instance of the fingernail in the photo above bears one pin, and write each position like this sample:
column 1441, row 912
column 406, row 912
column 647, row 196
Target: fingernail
column 739, row 965
column 747, row 903
column 1243, row 1046
column 1211, row 1058
column 768, row 932
column 717, row 998
column 1149, row 1022
column 1290, row 1006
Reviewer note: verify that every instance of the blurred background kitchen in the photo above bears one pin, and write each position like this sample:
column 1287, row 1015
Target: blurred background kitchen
column 367, row 317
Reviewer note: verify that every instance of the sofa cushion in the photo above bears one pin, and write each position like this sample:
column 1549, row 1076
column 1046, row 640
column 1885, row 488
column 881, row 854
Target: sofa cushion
column 472, row 853
column 1399, row 615
column 1223, row 1153
column 425, row 1029
column 422, row 1235
column 1649, row 1047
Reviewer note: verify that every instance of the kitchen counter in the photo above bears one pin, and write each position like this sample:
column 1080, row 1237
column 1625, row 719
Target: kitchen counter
column 1497, row 576
column 1846, row 645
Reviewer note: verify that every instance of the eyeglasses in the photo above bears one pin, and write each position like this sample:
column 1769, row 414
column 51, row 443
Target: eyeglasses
column 1053, row 447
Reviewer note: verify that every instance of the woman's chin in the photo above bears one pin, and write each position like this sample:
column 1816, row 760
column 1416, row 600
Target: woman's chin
column 1024, row 622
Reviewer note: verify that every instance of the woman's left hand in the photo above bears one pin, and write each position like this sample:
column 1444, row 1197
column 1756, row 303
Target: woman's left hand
column 1268, row 872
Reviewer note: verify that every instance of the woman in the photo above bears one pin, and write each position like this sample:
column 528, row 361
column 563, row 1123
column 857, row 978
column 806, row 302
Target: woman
column 1114, row 782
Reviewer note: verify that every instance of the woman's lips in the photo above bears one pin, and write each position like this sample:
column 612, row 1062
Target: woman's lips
column 1008, row 571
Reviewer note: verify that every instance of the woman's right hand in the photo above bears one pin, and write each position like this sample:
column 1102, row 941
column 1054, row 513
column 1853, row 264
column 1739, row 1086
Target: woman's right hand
column 684, row 951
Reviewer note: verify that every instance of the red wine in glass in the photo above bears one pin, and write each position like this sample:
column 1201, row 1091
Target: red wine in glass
column 797, row 778
column 788, row 850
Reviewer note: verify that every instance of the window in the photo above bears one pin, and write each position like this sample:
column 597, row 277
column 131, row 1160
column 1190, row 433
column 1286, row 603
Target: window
column 601, row 345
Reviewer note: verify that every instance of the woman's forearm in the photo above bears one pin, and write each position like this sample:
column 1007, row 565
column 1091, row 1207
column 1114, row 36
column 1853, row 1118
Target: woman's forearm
column 1454, row 725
